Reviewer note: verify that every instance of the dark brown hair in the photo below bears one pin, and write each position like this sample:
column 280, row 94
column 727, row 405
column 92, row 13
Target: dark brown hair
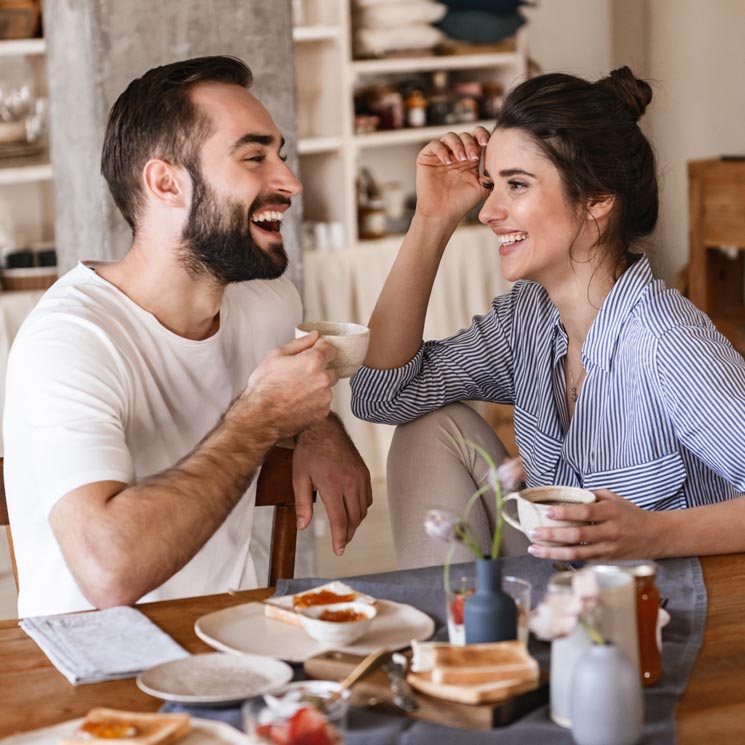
column 589, row 131
column 155, row 117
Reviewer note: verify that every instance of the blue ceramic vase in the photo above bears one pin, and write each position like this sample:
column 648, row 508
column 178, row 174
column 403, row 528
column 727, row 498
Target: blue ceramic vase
column 490, row 615
column 607, row 706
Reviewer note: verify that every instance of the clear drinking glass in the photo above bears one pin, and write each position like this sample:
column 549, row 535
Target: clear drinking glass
column 462, row 586
column 298, row 713
column 519, row 590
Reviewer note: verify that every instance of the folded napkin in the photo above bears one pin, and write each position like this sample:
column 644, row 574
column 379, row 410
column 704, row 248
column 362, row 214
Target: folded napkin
column 102, row 645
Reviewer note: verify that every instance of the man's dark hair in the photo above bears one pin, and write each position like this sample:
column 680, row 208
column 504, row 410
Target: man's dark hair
column 156, row 117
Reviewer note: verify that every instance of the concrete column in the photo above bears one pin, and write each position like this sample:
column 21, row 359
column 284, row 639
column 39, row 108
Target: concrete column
column 95, row 47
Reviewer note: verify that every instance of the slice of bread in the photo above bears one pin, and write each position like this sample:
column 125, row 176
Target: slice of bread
column 282, row 608
column 475, row 664
column 470, row 694
column 131, row 727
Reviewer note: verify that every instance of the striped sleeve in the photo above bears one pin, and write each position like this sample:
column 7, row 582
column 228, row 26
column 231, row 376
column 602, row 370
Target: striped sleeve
column 702, row 379
column 474, row 364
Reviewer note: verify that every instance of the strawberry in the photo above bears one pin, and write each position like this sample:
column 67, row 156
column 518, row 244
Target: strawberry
column 276, row 734
column 308, row 727
column 456, row 609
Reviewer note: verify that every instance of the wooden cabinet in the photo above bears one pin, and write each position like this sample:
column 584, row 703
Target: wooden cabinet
column 716, row 192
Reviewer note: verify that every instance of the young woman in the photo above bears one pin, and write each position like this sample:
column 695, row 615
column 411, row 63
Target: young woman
column 620, row 385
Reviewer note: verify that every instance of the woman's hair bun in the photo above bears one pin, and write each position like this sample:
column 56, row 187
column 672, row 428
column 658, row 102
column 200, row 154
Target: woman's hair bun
column 633, row 93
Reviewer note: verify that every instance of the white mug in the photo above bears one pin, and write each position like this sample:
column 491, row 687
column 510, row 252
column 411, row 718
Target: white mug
column 533, row 503
column 349, row 339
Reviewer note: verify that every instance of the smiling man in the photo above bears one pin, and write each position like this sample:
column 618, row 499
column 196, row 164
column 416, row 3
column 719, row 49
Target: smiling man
column 143, row 394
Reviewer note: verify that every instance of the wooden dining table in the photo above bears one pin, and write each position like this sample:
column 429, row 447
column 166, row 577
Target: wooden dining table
column 33, row 694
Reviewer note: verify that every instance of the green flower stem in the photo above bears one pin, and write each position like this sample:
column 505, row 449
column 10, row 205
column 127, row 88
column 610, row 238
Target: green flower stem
column 472, row 501
column 497, row 538
column 446, row 570
column 592, row 632
column 469, row 540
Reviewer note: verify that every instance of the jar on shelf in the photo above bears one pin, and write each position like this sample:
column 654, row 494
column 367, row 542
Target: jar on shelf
column 371, row 217
column 491, row 100
column 387, row 103
column 439, row 107
column 416, row 109
column 467, row 99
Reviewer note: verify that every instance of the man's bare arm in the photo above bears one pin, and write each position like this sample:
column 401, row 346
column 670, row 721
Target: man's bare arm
column 121, row 542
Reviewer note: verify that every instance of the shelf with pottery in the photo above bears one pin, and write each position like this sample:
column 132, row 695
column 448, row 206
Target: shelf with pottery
column 330, row 152
column 413, row 135
column 26, row 170
column 408, row 65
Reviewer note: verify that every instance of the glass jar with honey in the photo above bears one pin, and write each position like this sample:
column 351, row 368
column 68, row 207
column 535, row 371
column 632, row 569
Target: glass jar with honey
column 647, row 610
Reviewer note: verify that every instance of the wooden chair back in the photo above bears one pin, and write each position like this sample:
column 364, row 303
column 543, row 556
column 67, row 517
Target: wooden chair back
column 5, row 522
column 273, row 489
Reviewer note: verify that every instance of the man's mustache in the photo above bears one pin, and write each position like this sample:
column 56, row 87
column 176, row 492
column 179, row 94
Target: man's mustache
column 260, row 202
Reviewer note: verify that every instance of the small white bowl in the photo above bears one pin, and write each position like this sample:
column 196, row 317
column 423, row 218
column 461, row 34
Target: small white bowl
column 338, row 633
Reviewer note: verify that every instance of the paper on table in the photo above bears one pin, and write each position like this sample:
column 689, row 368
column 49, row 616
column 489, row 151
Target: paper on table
column 102, row 645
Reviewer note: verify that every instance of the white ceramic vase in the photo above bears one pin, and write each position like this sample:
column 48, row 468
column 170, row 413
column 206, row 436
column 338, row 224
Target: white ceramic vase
column 565, row 654
column 607, row 707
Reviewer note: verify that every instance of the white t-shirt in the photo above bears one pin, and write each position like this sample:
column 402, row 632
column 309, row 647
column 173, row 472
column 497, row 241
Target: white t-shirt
column 98, row 390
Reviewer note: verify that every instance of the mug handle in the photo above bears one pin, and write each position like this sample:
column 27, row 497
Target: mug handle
column 513, row 521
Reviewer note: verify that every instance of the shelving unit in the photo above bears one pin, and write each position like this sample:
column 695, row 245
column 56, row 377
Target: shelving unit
column 408, row 136
column 331, row 154
column 436, row 62
column 25, row 182
column 25, row 171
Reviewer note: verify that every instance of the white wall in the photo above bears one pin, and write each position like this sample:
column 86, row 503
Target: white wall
column 692, row 52
column 697, row 60
column 571, row 36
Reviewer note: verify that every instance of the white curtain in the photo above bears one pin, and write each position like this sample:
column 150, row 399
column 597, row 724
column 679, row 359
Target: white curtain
column 344, row 285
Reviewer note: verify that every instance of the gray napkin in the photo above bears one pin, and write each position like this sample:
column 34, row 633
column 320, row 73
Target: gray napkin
column 102, row 645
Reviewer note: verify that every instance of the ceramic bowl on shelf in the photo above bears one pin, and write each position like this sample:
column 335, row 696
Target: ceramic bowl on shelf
column 13, row 131
column 339, row 624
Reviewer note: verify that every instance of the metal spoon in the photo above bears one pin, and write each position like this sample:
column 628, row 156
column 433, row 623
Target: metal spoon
column 564, row 566
column 324, row 703
column 403, row 697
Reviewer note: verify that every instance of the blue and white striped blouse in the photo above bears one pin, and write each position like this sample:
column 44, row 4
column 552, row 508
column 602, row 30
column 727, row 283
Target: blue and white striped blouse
column 661, row 416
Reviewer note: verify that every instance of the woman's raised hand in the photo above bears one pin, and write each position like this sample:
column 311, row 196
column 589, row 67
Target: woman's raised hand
column 447, row 176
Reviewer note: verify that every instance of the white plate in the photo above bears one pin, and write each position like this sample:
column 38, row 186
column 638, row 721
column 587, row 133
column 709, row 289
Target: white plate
column 245, row 629
column 203, row 732
column 214, row 678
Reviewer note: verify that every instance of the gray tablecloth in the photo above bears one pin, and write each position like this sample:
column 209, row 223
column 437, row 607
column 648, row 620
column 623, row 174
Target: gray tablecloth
column 679, row 579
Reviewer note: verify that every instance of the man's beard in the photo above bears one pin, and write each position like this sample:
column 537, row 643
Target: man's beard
column 217, row 238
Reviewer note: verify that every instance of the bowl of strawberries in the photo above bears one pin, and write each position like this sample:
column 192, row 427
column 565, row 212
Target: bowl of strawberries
column 312, row 711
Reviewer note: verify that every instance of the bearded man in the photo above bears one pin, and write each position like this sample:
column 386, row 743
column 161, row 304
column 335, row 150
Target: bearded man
column 143, row 394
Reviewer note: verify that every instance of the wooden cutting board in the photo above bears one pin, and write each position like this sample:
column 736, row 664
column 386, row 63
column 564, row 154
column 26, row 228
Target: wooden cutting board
column 374, row 691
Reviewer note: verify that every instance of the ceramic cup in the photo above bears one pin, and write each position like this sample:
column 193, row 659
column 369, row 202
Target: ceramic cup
column 349, row 339
column 533, row 503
